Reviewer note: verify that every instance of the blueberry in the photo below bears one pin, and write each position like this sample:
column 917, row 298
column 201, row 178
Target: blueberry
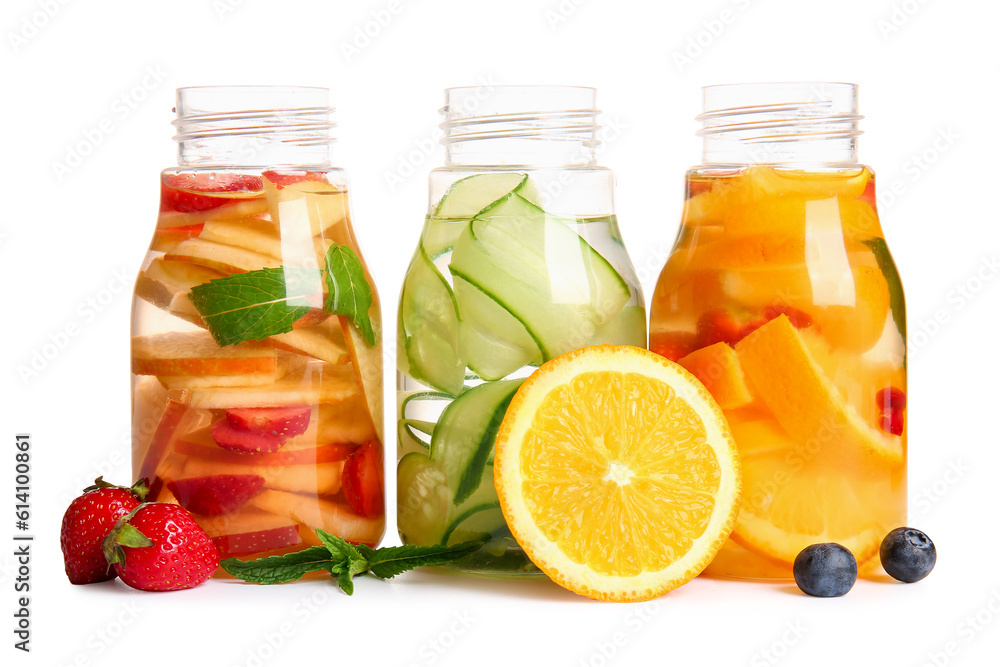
column 825, row 570
column 908, row 554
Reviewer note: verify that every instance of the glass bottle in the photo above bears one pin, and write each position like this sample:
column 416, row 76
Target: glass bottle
column 781, row 296
column 520, row 260
column 256, row 337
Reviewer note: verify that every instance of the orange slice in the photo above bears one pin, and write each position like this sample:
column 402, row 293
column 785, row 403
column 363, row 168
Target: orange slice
column 718, row 368
column 806, row 402
column 793, row 499
column 616, row 473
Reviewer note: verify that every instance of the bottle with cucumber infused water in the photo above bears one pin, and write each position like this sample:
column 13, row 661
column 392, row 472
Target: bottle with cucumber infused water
column 520, row 260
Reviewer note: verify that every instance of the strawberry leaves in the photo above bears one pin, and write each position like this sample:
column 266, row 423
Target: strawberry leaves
column 344, row 561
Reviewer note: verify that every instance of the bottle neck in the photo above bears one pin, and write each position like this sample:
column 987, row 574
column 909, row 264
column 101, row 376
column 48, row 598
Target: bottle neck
column 794, row 124
column 520, row 126
column 237, row 127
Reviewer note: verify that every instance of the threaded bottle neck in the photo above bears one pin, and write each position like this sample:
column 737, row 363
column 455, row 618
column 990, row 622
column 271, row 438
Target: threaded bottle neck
column 520, row 126
column 813, row 123
column 253, row 126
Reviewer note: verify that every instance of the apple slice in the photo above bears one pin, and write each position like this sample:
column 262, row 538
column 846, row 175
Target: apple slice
column 261, row 236
column 190, row 359
column 347, row 421
column 323, row 340
column 320, row 479
column 246, row 520
column 166, row 284
column 335, row 451
column 320, row 205
column 366, row 361
column 234, row 209
column 165, row 432
column 251, row 234
column 335, row 518
column 220, row 257
column 316, row 386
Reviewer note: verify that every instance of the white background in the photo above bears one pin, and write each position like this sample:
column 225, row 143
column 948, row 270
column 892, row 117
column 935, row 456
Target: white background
column 928, row 75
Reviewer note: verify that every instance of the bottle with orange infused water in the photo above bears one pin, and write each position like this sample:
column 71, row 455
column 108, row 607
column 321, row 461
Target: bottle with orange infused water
column 781, row 296
column 256, row 338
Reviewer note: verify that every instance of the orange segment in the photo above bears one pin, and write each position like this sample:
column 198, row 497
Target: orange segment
column 718, row 368
column 804, row 400
column 616, row 473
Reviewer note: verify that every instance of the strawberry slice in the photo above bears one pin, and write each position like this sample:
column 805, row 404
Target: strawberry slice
column 362, row 479
column 335, row 451
column 256, row 542
column 281, row 423
column 718, row 326
column 241, row 440
column 672, row 344
column 217, row 494
column 798, row 318
column 176, row 190
column 281, row 179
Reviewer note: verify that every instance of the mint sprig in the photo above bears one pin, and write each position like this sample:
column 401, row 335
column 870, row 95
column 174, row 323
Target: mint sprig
column 348, row 293
column 266, row 302
column 256, row 304
column 344, row 561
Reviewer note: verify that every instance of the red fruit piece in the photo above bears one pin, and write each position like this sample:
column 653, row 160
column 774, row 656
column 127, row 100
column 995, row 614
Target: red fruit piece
column 891, row 398
column 241, row 440
column 255, row 542
column 362, row 479
column 217, row 494
column 798, row 318
column 160, row 547
column 892, row 422
column 282, row 179
column 717, row 326
column 286, row 422
column 86, row 523
column 672, row 344
column 175, row 190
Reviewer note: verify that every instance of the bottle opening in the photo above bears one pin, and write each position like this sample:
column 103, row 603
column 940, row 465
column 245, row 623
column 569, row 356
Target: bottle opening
column 780, row 123
column 520, row 125
column 253, row 126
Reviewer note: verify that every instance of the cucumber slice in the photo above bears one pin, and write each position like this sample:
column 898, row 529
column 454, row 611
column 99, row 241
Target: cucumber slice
column 492, row 342
column 428, row 320
column 629, row 328
column 408, row 431
column 472, row 194
column 440, row 235
column 463, row 438
column 477, row 521
column 542, row 272
column 422, row 503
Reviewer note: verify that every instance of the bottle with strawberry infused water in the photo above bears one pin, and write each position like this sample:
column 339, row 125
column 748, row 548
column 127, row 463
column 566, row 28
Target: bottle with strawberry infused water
column 781, row 296
column 256, row 331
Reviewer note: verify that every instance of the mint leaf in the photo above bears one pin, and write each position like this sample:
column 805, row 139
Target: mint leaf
column 387, row 562
column 351, row 560
column 279, row 569
column 344, row 561
column 348, row 293
column 346, row 582
column 256, row 304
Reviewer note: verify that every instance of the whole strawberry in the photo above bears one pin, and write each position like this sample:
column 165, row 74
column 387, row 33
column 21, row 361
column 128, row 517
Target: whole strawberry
column 160, row 547
column 86, row 523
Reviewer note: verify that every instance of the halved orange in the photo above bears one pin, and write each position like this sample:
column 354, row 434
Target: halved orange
column 616, row 473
